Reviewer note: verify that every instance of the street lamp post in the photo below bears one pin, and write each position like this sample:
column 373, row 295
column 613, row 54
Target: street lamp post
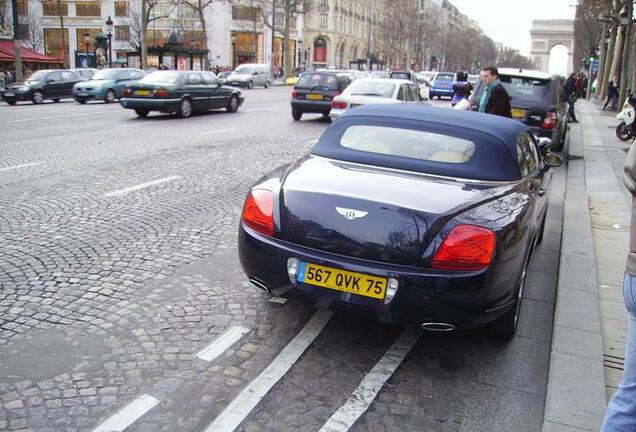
column 109, row 27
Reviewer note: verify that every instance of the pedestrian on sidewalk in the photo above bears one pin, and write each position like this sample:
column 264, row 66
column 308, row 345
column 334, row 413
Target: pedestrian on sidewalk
column 621, row 409
column 613, row 91
column 570, row 94
column 495, row 99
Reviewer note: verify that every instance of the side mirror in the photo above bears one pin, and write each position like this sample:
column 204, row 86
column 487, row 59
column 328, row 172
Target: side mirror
column 553, row 160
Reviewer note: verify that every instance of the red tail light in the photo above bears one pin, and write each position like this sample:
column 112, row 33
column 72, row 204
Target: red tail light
column 338, row 105
column 162, row 92
column 294, row 94
column 258, row 211
column 127, row 92
column 550, row 121
column 467, row 247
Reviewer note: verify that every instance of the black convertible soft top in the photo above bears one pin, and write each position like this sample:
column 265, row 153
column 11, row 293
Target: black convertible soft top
column 494, row 137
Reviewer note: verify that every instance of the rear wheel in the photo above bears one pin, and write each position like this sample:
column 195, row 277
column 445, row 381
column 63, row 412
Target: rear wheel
column 185, row 109
column 81, row 101
column 38, row 98
column 11, row 101
column 623, row 132
column 56, row 100
column 110, row 96
column 505, row 327
column 297, row 115
column 267, row 84
column 233, row 105
column 141, row 112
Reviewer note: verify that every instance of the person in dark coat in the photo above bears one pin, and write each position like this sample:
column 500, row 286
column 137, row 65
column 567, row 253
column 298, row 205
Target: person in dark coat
column 570, row 94
column 613, row 91
column 495, row 99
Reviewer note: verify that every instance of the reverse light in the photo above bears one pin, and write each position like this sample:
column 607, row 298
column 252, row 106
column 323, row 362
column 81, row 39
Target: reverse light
column 467, row 247
column 391, row 290
column 161, row 92
column 339, row 105
column 258, row 211
column 550, row 121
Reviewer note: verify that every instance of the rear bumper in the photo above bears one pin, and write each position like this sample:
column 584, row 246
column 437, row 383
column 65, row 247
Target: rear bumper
column 463, row 300
column 440, row 92
column 168, row 105
column 306, row 106
column 17, row 96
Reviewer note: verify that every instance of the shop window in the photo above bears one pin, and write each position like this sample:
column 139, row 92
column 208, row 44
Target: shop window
column 122, row 33
column 54, row 42
column 79, row 35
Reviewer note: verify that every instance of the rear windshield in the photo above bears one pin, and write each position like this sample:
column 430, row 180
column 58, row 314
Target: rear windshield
column 310, row 81
column 408, row 143
column 371, row 88
column 525, row 88
column 400, row 75
column 445, row 77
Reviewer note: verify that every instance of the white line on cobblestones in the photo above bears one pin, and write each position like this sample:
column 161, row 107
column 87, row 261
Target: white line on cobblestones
column 20, row 166
column 346, row 416
column 223, row 342
column 121, row 192
column 128, row 415
column 239, row 408
column 218, row 131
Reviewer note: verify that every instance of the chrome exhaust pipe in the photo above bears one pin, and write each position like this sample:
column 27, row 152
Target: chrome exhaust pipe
column 437, row 326
column 260, row 285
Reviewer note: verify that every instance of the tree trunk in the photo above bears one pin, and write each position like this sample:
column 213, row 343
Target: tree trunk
column 627, row 37
column 206, row 61
column 143, row 48
column 287, row 39
column 603, row 56
column 59, row 10
column 607, row 73
column 632, row 83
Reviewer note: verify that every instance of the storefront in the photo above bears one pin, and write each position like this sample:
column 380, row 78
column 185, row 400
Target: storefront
column 174, row 54
column 247, row 47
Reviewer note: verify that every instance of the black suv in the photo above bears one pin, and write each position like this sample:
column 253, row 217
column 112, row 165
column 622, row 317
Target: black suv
column 537, row 99
column 41, row 85
column 314, row 92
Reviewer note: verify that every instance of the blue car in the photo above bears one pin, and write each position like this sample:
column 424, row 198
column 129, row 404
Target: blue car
column 416, row 216
column 106, row 85
column 442, row 85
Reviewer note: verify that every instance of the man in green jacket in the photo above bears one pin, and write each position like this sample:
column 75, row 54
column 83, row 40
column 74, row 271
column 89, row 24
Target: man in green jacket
column 621, row 410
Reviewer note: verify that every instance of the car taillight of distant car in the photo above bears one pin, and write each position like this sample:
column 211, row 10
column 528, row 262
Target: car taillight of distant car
column 127, row 92
column 338, row 105
column 162, row 92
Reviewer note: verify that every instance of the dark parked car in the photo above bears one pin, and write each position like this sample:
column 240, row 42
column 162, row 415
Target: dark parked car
column 537, row 99
column 181, row 93
column 314, row 92
column 442, row 85
column 416, row 216
column 41, row 85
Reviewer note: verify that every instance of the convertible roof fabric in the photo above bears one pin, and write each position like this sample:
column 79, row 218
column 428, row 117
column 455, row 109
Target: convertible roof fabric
column 495, row 139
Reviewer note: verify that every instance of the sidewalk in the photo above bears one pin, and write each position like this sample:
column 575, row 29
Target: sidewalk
column 590, row 324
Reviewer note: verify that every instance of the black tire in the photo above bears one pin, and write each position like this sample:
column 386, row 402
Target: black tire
column 81, row 102
column 297, row 115
column 110, row 96
column 141, row 112
column 38, row 98
column 56, row 100
column 11, row 101
column 233, row 104
column 250, row 85
column 185, row 108
column 504, row 328
column 622, row 132
column 267, row 84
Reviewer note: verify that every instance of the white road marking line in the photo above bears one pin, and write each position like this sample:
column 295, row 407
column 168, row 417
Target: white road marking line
column 267, row 108
column 121, row 192
column 223, row 342
column 128, row 415
column 234, row 414
column 20, row 166
column 346, row 416
column 53, row 117
column 218, row 131
column 313, row 141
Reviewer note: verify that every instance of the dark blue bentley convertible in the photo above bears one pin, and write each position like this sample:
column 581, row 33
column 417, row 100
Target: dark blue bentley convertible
column 416, row 216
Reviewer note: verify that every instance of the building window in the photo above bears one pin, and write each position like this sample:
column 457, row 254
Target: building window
column 88, row 9
column 121, row 8
column 245, row 13
column 323, row 20
column 50, row 8
column 122, row 33
column 79, row 35
column 23, row 7
column 320, row 51
column 324, row 4
column 54, row 42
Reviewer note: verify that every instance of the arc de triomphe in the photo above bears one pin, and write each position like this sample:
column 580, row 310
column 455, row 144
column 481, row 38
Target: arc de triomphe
column 546, row 34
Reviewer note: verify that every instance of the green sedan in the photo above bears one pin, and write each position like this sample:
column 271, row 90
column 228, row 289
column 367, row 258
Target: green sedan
column 180, row 92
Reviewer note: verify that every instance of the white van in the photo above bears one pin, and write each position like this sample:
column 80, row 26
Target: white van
column 249, row 75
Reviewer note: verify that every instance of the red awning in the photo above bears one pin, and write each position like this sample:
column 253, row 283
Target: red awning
column 28, row 55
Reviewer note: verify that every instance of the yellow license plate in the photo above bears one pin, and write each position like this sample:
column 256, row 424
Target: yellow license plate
column 312, row 96
column 517, row 113
column 341, row 280
column 142, row 92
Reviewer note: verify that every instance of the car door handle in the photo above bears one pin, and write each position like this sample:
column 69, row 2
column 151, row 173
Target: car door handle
column 541, row 192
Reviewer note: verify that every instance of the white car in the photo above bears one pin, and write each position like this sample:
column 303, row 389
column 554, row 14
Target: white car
column 367, row 91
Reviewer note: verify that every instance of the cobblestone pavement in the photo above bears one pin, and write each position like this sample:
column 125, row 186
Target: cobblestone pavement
column 105, row 298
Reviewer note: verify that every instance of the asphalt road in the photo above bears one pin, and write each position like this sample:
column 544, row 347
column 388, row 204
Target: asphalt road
column 118, row 266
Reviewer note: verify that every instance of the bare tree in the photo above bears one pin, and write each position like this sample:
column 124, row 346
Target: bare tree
column 145, row 17
column 199, row 7
column 34, row 38
column 588, row 29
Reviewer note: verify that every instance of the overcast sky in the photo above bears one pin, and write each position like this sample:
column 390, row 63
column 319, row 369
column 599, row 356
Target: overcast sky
column 509, row 21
